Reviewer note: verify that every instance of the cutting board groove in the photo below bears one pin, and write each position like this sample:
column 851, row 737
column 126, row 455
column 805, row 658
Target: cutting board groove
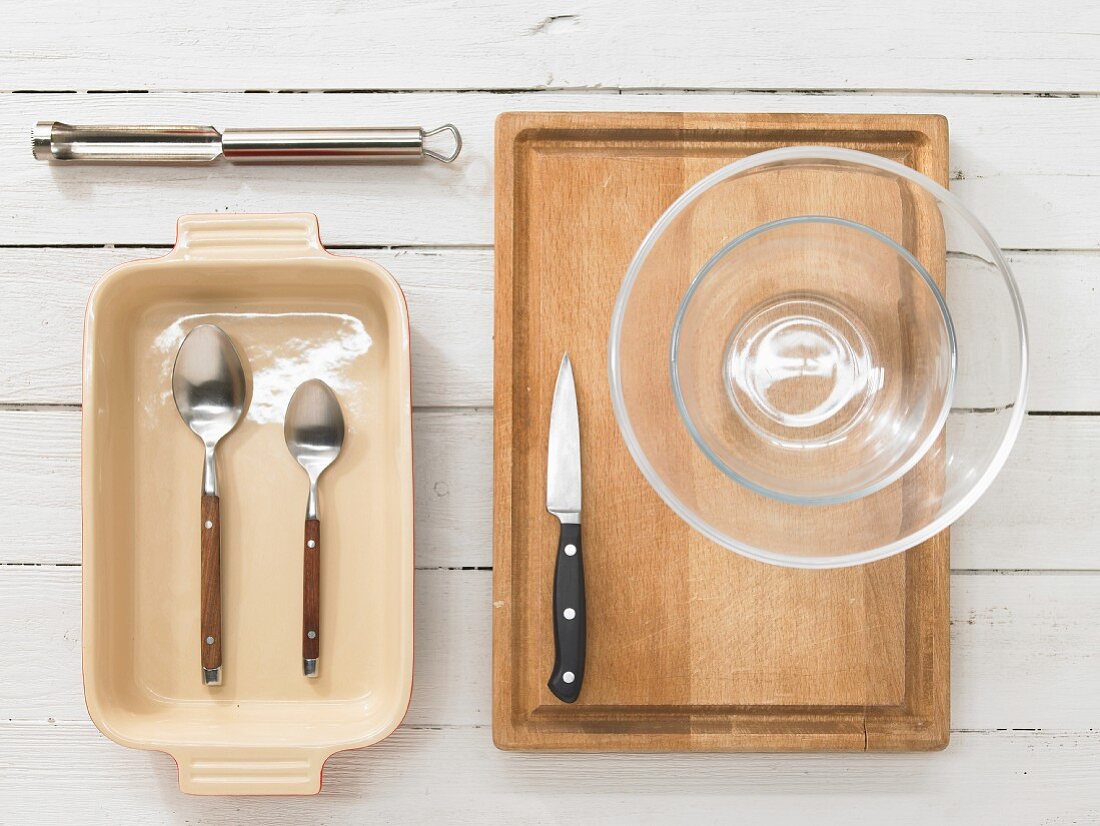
column 690, row 647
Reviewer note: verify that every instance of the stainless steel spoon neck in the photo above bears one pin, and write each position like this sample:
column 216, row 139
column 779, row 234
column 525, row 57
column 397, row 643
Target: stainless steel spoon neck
column 209, row 473
column 311, row 502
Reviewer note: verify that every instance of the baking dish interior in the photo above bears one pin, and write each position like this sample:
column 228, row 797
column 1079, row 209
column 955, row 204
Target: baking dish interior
column 339, row 319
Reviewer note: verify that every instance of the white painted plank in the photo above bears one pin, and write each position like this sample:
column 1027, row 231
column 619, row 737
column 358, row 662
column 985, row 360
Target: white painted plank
column 1062, row 302
column 40, row 475
column 453, row 469
column 40, row 471
column 860, row 44
column 1041, row 511
column 1023, row 652
column 450, row 307
column 1039, row 514
column 70, row 773
column 1028, row 166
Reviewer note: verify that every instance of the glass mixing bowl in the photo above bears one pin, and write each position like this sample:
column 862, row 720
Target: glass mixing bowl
column 818, row 357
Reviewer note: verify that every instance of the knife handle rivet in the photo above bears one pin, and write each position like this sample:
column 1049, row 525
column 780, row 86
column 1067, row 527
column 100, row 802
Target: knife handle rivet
column 208, row 524
column 570, row 550
column 569, row 613
column 312, row 635
column 568, row 677
column 209, row 640
column 311, row 544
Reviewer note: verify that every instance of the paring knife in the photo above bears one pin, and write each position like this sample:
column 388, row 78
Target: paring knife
column 563, row 499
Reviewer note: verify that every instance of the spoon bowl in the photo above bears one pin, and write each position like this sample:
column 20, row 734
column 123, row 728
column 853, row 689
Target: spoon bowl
column 314, row 432
column 208, row 383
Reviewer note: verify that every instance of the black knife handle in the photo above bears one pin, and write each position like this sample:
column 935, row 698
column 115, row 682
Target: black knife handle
column 569, row 629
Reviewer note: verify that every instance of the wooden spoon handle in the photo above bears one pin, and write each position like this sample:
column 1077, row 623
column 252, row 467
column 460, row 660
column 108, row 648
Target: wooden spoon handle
column 211, row 590
column 311, row 598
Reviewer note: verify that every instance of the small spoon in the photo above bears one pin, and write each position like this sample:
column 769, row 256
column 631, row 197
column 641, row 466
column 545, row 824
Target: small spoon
column 208, row 385
column 314, row 432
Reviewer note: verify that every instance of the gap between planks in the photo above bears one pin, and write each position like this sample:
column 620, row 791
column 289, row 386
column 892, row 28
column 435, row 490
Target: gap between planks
column 428, row 249
column 43, row 407
column 424, row 249
column 594, row 91
column 993, row 731
column 960, row 572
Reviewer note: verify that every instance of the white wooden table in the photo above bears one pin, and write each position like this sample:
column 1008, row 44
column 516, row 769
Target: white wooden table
column 1020, row 83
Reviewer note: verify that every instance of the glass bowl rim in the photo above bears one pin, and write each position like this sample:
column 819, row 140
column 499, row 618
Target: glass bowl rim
column 816, row 153
column 716, row 460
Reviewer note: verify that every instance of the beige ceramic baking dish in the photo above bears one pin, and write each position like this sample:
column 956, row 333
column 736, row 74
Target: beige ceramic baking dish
column 294, row 312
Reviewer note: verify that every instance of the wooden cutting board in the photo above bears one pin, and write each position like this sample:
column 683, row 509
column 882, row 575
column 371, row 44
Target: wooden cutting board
column 690, row 647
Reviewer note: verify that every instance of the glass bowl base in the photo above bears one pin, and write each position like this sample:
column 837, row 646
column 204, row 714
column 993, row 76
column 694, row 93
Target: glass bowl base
column 801, row 371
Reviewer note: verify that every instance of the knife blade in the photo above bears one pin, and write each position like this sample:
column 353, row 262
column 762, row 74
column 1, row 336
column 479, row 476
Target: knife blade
column 563, row 500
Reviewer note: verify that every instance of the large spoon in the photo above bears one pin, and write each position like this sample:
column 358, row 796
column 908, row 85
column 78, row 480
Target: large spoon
column 314, row 432
column 208, row 384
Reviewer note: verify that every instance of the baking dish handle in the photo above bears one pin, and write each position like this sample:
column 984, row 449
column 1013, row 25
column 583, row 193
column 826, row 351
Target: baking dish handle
column 249, row 770
column 244, row 236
